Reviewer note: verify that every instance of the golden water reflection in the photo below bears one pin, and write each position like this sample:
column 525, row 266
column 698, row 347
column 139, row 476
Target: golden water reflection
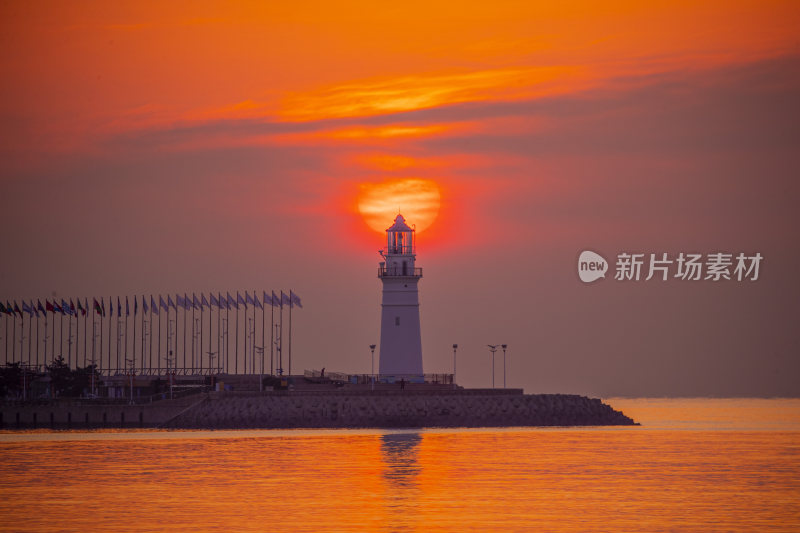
column 515, row 479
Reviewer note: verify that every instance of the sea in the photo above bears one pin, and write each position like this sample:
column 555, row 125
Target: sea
column 692, row 465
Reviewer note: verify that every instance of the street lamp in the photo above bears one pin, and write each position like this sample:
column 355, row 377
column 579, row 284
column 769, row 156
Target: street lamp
column 455, row 347
column 130, row 373
column 170, row 376
column 492, row 348
column 504, row 346
column 372, row 349
column 260, row 350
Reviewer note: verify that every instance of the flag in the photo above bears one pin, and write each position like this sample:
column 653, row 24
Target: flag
column 187, row 303
column 248, row 299
column 35, row 310
column 239, row 300
column 256, row 301
column 48, row 306
column 144, row 305
column 285, row 300
column 214, row 301
column 16, row 309
column 171, row 303
column 153, row 306
column 127, row 307
column 65, row 308
column 40, row 307
column 162, row 303
column 119, row 307
column 80, row 308
column 135, row 305
column 72, row 308
column 180, row 301
column 2, row 308
column 267, row 299
column 295, row 299
column 97, row 308
column 57, row 308
column 27, row 308
column 232, row 302
column 276, row 302
column 195, row 302
column 203, row 301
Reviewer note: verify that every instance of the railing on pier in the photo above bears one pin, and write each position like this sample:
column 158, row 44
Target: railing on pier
column 356, row 379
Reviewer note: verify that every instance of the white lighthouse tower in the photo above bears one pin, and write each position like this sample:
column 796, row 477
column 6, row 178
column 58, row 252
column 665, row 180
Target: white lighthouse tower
column 401, row 345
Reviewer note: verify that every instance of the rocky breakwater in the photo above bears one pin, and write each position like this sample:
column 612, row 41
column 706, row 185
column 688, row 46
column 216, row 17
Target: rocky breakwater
column 459, row 408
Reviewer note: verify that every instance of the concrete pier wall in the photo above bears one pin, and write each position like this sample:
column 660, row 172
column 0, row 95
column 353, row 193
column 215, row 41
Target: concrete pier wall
column 82, row 415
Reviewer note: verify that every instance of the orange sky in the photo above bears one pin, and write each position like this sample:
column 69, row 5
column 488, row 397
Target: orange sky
column 138, row 135
column 90, row 69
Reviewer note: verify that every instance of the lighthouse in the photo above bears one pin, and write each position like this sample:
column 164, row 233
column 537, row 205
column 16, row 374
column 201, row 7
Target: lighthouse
column 401, row 345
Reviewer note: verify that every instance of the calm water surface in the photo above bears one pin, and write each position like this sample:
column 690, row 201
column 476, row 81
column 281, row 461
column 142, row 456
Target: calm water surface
column 694, row 465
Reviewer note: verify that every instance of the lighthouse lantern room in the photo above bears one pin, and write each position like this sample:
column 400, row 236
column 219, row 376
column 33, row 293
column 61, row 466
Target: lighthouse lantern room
column 401, row 344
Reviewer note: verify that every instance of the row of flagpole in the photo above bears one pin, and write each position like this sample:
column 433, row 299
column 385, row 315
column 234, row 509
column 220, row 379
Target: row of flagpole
column 97, row 350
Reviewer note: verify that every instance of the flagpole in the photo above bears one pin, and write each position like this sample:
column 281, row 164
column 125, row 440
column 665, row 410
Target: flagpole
column 227, row 336
column 201, row 334
column 52, row 340
column 236, row 352
column 209, row 337
column 14, row 338
column 280, row 338
column 133, row 359
column 263, row 325
column 30, row 334
column 219, row 336
column 5, row 341
column 144, row 334
column 272, row 335
column 37, row 342
column 85, row 330
column 150, row 363
column 61, row 336
column 159, row 334
column 77, row 337
column 94, row 332
column 193, row 333
column 291, row 305
column 127, row 314
column 102, row 315
column 110, row 314
column 184, row 333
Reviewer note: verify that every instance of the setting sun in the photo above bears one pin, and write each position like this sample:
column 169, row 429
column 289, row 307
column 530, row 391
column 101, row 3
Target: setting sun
column 418, row 200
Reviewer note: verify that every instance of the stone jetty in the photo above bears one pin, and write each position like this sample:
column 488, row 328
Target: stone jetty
column 395, row 409
column 325, row 409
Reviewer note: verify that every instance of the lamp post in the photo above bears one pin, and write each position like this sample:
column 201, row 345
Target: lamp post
column 372, row 350
column 455, row 347
column 130, row 373
column 260, row 350
column 504, row 346
column 170, row 376
column 492, row 348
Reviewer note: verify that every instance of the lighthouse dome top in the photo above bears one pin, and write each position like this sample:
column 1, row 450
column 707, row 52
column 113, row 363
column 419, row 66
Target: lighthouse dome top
column 399, row 224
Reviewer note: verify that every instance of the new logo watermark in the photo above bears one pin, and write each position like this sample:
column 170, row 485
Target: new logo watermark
column 591, row 266
column 717, row 266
